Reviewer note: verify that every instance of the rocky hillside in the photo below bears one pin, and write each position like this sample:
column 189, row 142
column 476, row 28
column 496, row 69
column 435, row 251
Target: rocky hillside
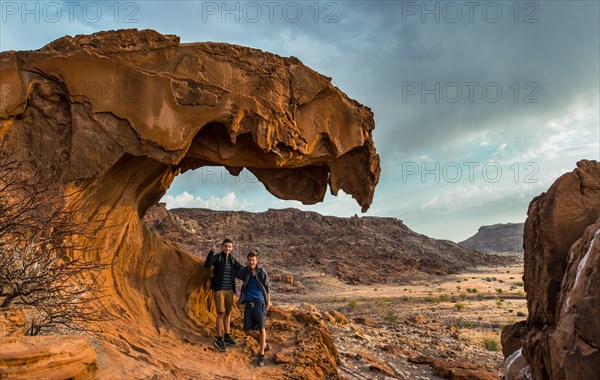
column 501, row 237
column 356, row 250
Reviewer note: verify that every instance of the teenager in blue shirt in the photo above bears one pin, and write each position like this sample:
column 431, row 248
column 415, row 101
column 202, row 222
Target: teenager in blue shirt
column 256, row 297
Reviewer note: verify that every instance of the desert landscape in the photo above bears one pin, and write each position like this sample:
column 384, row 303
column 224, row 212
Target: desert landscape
column 100, row 280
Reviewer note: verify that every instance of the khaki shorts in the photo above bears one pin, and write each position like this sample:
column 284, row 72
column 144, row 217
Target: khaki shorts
column 223, row 300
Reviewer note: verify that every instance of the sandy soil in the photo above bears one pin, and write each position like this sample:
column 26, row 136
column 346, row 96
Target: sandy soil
column 456, row 318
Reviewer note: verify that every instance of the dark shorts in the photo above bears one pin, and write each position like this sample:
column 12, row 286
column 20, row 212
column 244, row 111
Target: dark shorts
column 255, row 314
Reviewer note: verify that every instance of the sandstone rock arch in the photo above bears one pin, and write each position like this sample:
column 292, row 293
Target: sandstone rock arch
column 126, row 111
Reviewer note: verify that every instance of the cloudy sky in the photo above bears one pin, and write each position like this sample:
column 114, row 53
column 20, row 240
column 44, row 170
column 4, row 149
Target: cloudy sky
column 479, row 106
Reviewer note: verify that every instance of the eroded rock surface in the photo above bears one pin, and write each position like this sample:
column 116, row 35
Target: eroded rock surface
column 562, row 278
column 48, row 357
column 124, row 112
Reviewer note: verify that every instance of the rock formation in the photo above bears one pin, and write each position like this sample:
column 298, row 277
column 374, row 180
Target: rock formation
column 501, row 237
column 124, row 112
column 562, row 258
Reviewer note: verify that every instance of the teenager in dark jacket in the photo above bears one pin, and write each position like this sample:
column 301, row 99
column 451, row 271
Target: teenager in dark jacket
column 256, row 297
column 223, row 285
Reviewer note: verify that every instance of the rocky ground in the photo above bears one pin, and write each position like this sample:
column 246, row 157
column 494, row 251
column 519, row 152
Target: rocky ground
column 424, row 321
column 423, row 330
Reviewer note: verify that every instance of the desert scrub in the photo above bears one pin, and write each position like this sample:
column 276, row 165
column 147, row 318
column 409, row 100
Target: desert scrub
column 391, row 316
column 499, row 291
column 459, row 306
column 463, row 296
column 521, row 314
column 521, row 294
column 490, row 344
column 352, row 305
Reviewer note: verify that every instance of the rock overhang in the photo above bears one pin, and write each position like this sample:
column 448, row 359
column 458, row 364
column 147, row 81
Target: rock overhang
column 197, row 104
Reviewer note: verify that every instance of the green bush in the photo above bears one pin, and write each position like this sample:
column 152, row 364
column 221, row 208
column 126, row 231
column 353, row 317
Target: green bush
column 520, row 283
column 352, row 304
column 499, row 291
column 521, row 314
column 391, row 316
column 521, row 294
column 463, row 296
column 459, row 306
column 490, row 344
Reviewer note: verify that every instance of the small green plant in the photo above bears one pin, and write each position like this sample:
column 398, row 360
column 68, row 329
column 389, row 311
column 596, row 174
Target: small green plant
column 520, row 283
column 463, row 296
column 459, row 306
column 521, row 314
column 499, row 302
column 521, row 294
column 499, row 291
column 479, row 297
column 391, row 316
column 352, row 304
column 490, row 344
column 474, row 290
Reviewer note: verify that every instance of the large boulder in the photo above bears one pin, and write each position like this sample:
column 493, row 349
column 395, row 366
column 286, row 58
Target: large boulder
column 562, row 278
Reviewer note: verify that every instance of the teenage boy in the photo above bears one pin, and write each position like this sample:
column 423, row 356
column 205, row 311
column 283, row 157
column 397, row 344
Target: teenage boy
column 223, row 285
column 257, row 299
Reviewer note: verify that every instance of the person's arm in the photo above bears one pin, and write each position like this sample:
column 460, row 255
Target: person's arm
column 241, row 273
column 236, row 264
column 211, row 258
column 266, row 283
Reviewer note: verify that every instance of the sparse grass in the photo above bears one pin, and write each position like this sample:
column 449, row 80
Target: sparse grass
column 391, row 316
column 490, row 344
column 459, row 306
column 463, row 296
column 352, row 305
column 521, row 294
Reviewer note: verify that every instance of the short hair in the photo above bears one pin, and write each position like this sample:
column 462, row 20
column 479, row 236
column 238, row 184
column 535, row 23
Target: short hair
column 253, row 253
column 226, row 240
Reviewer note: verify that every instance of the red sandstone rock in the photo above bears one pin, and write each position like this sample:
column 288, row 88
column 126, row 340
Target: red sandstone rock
column 562, row 278
column 124, row 112
column 48, row 357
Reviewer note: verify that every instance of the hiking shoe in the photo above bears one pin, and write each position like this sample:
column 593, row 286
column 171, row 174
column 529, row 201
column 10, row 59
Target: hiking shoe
column 220, row 345
column 229, row 340
column 261, row 360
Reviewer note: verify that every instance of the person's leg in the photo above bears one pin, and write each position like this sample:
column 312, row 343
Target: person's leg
column 254, row 334
column 220, row 319
column 226, row 322
column 227, row 319
column 262, row 333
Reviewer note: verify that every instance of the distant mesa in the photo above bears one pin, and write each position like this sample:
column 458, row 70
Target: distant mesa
column 498, row 238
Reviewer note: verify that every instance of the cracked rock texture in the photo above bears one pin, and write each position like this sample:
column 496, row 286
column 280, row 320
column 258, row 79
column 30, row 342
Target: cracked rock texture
column 124, row 112
column 562, row 279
